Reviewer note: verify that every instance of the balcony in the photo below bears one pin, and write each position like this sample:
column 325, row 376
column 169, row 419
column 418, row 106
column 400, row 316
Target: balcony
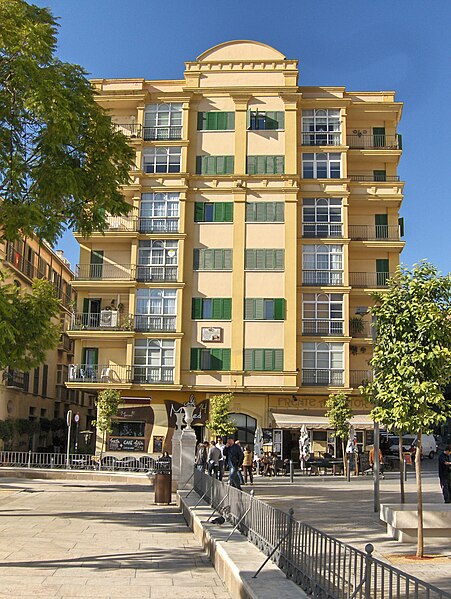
column 121, row 223
column 88, row 373
column 369, row 280
column 145, row 323
column 17, row 379
column 104, row 272
column 109, row 320
column 65, row 344
column 156, row 273
column 374, row 178
column 162, row 133
column 130, row 130
column 146, row 375
column 321, row 138
column 322, row 277
column 311, row 230
column 360, row 328
column 158, row 225
column 322, row 327
column 374, row 142
column 323, row 378
column 360, row 377
column 374, row 232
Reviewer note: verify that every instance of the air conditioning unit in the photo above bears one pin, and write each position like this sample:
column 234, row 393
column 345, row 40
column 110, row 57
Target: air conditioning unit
column 108, row 318
column 361, row 310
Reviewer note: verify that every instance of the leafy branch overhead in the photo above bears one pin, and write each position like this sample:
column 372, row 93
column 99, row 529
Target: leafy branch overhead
column 219, row 421
column 61, row 160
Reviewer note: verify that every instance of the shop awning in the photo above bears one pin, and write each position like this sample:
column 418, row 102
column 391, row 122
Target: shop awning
column 312, row 422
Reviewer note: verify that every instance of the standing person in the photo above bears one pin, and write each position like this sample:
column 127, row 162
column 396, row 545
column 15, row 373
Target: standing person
column 214, row 455
column 240, row 473
column 444, row 473
column 201, row 457
column 248, row 464
column 381, row 461
column 220, row 445
column 233, row 455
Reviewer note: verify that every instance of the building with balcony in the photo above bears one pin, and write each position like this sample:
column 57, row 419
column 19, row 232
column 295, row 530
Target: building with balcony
column 41, row 395
column 262, row 215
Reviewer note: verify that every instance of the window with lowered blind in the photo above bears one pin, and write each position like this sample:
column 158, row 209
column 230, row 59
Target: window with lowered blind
column 263, row 359
column 264, row 309
column 217, row 308
column 212, row 259
column 265, row 165
column 214, row 165
column 215, row 121
column 213, row 212
column 271, row 259
column 265, row 212
column 210, row 359
column 265, row 120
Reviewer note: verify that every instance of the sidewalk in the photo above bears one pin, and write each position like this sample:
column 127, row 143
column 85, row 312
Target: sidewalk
column 345, row 510
column 61, row 539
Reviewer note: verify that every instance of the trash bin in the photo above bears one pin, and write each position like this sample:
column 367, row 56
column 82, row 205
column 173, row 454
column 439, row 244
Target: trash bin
column 163, row 486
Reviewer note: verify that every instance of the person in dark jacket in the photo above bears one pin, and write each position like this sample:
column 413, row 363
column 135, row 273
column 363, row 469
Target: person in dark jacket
column 233, row 455
column 444, row 473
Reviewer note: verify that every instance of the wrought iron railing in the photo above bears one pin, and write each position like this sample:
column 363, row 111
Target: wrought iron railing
column 360, row 377
column 102, row 374
column 158, row 225
column 369, row 279
column 321, row 138
column 129, row 129
column 374, row 142
column 322, row 230
column 156, row 273
column 377, row 178
column 148, row 322
column 374, row 232
column 163, row 133
column 322, row 277
column 360, row 328
column 105, row 320
column 151, row 375
column 322, row 327
column 17, row 379
column 99, row 272
column 322, row 377
column 320, row 564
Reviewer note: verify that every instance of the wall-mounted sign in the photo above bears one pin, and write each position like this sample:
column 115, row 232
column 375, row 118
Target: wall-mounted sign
column 211, row 334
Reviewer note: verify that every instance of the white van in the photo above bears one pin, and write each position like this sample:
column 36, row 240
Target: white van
column 428, row 446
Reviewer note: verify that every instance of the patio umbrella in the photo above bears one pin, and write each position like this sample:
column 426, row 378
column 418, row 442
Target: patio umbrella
column 258, row 442
column 304, row 445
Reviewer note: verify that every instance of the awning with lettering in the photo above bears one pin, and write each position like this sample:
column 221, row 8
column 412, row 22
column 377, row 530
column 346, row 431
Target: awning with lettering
column 295, row 419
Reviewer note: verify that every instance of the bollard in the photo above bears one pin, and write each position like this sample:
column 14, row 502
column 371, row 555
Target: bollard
column 29, row 459
column 369, row 548
column 405, row 469
column 52, row 462
column 291, row 471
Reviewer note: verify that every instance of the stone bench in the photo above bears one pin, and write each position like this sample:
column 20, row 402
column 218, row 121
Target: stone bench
column 402, row 520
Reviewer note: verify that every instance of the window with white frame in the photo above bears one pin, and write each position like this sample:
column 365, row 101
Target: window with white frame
column 157, row 260
column 323, row 165
column 163, row 121
column 159, row 212
column 322, row 314
column 154, row 361
column 322, row 363
column 321, row 127
column 162, row 160
column 155, row 309
column 322, row 217
column 322, row 264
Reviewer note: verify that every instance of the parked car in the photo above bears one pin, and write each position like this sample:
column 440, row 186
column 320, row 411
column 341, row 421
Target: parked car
column 428, row 446
column 407, row 441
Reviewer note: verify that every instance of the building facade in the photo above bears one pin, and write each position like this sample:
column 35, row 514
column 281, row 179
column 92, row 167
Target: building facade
column 262, row 215
column 41, row 396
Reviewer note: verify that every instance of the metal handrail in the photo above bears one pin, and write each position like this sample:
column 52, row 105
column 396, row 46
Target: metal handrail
column 99, row 272
column 311, row 230
column 162, row 133
column 321, row 138
column 360, row 377
column 319, row 563
column 105, row 320
column 323, row 377
column 375, row 178
column 322, row 327
column 374, row 142
column 369, row 279
column 374, row 232
column 322, row 277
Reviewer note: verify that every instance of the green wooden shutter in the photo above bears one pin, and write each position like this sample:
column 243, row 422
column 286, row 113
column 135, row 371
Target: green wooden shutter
column 268, row 359
column 216, row 359
column 218, row 212
column 217, row 312
column 230, row 121
column 211, row 120
column 248, row 361
column 270, row 212
column 380, row 175
column 271, row 120
column 259, row 309
column 229, row 165
column 196, row 308
column 208, row 259
column 382, row 266
column 381, row 224
column 279, row 165
column 260, row 259
column 199, row 165
column 250, row 206
column 278, row 359
column 379, row 137
column 262, row 165
column 195, row 358
column 85, row 306
column 221, row 123
column 226, row 359
column 261, row 211
column 401, row 226
column 280, row 118
column 279, row 259
column 228, row 212
column 279, row 309
column 211, row 165
column 258, row 359
column 250, row 259
column 199, row 212
column 196, row 259
column 248, row 309
column 96, row 266
column 251, row 165
column 201, row 121
column 227, row 308
column 227, row 260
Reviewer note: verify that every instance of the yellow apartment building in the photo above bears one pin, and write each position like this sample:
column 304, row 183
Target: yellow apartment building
column 41, row 395
column 262, row 215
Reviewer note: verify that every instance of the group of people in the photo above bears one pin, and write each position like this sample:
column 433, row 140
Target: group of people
column 213, row 458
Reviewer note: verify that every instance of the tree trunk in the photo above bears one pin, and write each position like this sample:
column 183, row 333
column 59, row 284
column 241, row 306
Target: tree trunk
column 401, row 470
column 420, row 542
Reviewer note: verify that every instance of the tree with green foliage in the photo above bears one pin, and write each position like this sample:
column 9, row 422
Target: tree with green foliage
column 6, row 433
column 26, row 328
column 107, row 404
column 339, row 415
column 220, row 423
column 412, row 358
column 61, row 159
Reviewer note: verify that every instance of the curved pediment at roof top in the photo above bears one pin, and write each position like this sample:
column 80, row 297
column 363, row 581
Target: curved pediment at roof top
column 240, row 50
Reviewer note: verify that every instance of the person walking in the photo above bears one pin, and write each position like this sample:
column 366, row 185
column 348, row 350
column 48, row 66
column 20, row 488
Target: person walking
column 213, row 458
column 240, row 473
column 381, row 461
column 444, row 473
column 248, row 464
column 234, row 458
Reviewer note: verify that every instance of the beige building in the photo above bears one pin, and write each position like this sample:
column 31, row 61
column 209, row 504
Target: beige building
column 41, row 395
column 262, row 215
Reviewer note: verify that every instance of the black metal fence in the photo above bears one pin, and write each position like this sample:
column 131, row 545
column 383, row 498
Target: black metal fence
column 323, row 566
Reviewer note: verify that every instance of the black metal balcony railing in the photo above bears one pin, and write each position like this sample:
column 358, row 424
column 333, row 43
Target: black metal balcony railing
column 360, row 328
column 321, row 138
column 369, row 279
column 314, row 377
column 104, row 271
column 163, row 133
column 146, row 322
column 156, row 273
column 158, row 225
column 129, row 129
column 360, row 377
column 374, row 142
column 94, row 373
column 322, row 277
column 145, row 375
column 310, row 230
column 374, row 232
column 322, row 327
column 105, row 320
column 17, row 379
column 374, row 178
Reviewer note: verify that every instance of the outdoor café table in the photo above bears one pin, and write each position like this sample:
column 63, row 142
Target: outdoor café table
column 337, row 466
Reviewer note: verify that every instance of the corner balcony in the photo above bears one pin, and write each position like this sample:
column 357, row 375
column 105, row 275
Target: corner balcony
column 358, row 378
column 120, row 374
column 321, row 138
column 360, row 329
column 322, row 327
column 322, row 377
column 374, row 232
column 358, row 141
column 374, row 178
column 322, row 277
column 369, row 280
column 104, row 272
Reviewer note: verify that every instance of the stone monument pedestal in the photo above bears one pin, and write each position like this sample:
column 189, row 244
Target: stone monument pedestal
column 176, row 438
column 188, row 443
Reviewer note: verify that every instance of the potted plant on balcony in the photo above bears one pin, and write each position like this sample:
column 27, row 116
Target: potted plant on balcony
column 356, row 325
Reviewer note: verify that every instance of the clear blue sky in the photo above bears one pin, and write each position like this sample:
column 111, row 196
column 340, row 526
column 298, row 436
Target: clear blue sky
column 401, row 45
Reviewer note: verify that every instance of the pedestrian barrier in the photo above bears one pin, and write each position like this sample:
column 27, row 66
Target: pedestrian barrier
column 320, row 564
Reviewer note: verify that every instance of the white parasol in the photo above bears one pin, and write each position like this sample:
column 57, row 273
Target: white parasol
column 304, row 445
column 258, row 443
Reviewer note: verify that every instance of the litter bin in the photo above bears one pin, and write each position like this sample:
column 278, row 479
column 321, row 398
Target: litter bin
column 163, row 484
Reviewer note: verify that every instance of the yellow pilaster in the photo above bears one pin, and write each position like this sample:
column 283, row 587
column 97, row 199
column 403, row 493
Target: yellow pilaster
column 240, row 133
column 290, row 288
column 238, row 278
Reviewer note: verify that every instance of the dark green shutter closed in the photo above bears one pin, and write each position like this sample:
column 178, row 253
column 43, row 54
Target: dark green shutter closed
column 381, row 224
column 279, row 309
column 227, row 308
column 248, row 361
column 248, row 309
column 278, row 359
column 401, row 226
column 218, row 212
column 196, row 308
column 85, row 306
column 195, row 358
column 199, row 212
column 228, row 212
column 199, row 165
column 382, row 266
column 217, row 309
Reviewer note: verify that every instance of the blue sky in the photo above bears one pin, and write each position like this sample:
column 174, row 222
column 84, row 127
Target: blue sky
column 401, row 45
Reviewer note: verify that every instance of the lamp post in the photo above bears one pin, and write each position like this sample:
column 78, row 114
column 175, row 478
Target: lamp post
column 69, row 424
